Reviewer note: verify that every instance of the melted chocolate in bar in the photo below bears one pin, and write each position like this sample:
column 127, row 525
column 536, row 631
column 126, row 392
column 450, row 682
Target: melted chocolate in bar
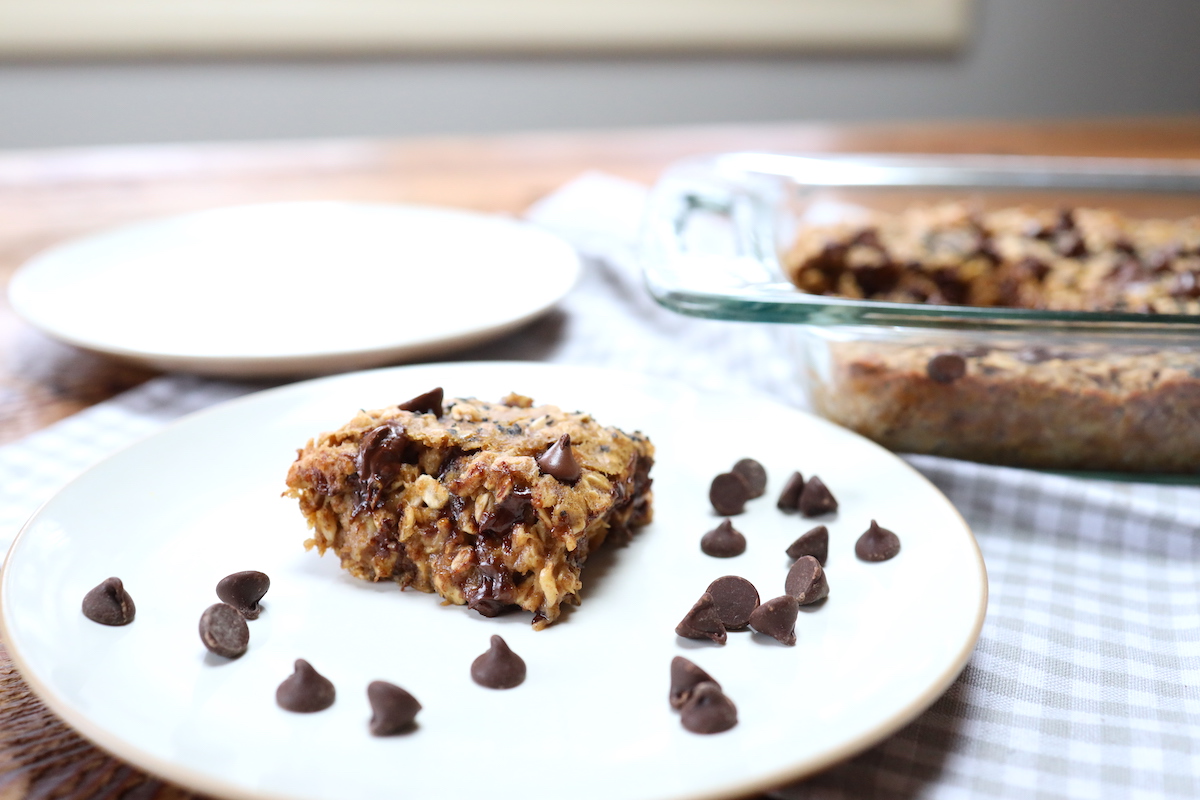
column 490, row 589
column 516, row 507
column 383, row 451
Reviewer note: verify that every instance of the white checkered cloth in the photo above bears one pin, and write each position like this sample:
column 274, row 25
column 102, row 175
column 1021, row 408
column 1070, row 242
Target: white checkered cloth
column 1086, row 679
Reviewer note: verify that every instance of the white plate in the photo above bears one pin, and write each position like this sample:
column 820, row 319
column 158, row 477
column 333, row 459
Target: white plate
column 295, row 288
column 185, row 507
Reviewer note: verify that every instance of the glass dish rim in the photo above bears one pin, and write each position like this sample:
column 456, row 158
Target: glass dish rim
column 745, row 187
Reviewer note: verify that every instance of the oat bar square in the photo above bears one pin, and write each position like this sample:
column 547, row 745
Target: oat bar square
column 490, row 505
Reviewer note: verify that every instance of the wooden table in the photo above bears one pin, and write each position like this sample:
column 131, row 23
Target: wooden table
column 50, row 196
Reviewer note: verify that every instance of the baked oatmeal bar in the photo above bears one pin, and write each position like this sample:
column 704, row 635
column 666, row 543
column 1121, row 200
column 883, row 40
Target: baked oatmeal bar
column 1069, row 259
column 490, row 505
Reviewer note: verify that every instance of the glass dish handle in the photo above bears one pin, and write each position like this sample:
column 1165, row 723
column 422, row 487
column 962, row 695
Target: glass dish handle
column 711, row 238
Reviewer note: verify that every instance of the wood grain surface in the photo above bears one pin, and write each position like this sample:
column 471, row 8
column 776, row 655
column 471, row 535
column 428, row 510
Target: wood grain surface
column 48, row 197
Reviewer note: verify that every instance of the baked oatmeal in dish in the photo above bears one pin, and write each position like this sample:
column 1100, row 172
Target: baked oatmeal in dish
column 1079, row 259
column 492, row 505
column 1045, row 400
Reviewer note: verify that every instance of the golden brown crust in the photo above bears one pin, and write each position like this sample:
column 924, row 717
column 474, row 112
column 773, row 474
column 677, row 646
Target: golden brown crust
column 456, row 504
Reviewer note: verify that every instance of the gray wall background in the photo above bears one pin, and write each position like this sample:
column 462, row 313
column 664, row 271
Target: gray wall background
column 1026, row 59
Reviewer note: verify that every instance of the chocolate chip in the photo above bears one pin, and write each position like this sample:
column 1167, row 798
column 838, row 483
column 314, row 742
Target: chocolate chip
column 915, row 294
column 877, row 544
column 754, row 474
column 986, row 248
column 487, row 606
column 686, row 676
column 1008, row 292
column 558, row 461
column 816, row 499
column 735, row 598
column 1126, row 270
column 867, row 237
column 1034, row 267
column 877, row 279
column 946, row 367
column 1070, row 244
column 708, row 710
column 243, row 590
column 305, row 690
column 777, row 619
column 224, row 631
column 789, row 498
column 1160, row 261
column 517, row 506
column 831, row 261
column 728, row 494
column 109, row 603
column 806, row 581
column 383, row 451
column 702, row 622
column 428, row 403
column 723, row 541
column 814, row 543
column 392, row 709
column 1187, row 285
column 499, row 667
column 951, row 286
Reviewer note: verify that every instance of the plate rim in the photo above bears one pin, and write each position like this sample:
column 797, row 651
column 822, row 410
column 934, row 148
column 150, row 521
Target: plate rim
column 194, row 780
column 313, row 363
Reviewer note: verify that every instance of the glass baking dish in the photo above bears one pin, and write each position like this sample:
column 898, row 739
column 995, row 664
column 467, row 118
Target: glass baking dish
column 1111, row 391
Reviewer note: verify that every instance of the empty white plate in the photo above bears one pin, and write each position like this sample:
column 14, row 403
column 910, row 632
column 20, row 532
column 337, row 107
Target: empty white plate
column 290, row 289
